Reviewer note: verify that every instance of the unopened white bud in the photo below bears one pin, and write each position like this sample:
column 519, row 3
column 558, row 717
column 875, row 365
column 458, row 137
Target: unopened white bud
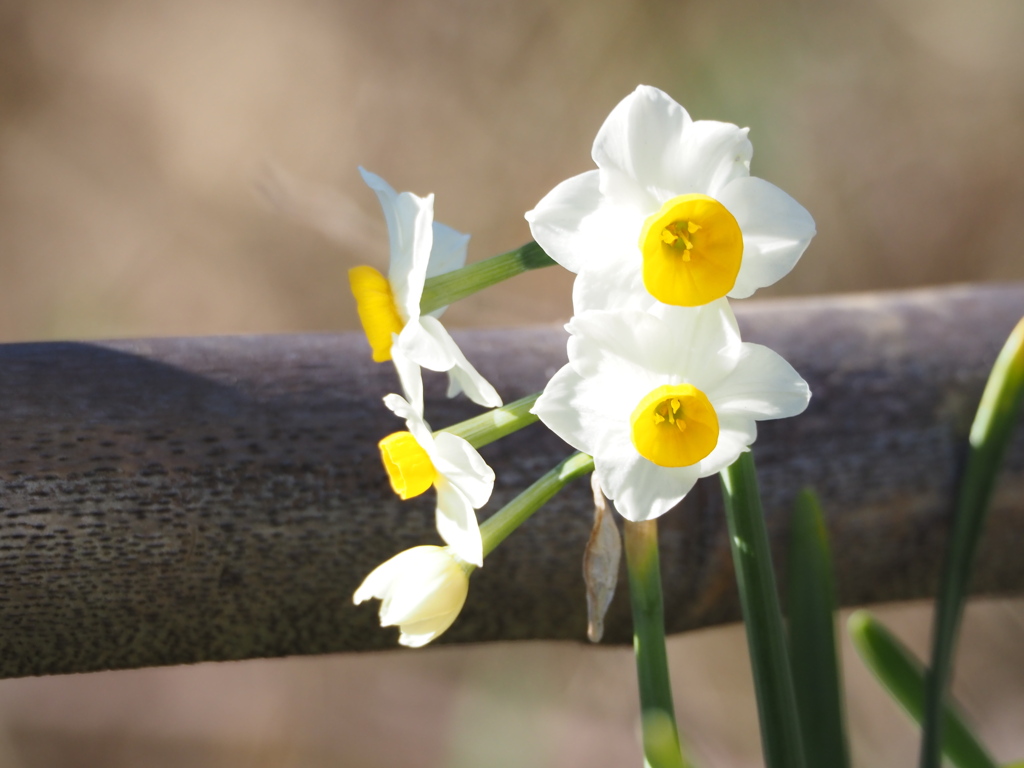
column 421, row 591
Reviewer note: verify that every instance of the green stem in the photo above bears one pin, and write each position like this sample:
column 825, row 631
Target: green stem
column 498, row 526
column 660, row 735
column 990, row 434
column 442, row 290
column 496, row 423
column 766, row 636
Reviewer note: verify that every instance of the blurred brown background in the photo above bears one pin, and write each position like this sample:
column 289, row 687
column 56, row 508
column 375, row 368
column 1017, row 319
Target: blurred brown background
column 173, row 167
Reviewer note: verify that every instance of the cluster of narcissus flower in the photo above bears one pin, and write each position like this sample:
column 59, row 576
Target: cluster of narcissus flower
column 659, row 390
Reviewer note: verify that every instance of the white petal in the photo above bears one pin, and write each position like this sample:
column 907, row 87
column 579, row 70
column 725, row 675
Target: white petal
column 735, row 434
column 713, row 154
column 414, row 421
column 425, row 342
column 641, row 489
column 409, row 375
column 630, row 341
column 776, row 232
column 447, row 255
column 703, row 346
column 762, row 386
column 421, row 633
column 402, row 408
column 457, row 523
column 618, row 285
column 378, row 583
column 387, row 196
column 421, row 589
column 558, row 407
column 424, row 583
column 418, row 343
column 463, row 377
column 642, row 139
column 464, row 468
column 449, row 251
column 409, row 220
column 667, row 345
column 580, row 228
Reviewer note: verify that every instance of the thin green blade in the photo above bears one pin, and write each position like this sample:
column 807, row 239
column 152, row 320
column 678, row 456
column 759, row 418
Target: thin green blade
column 811, row 609
column 904, row 677
column 993, row 426
column 766, row 635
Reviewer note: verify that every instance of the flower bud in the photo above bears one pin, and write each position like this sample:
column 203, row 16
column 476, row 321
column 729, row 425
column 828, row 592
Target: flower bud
column 421, row 591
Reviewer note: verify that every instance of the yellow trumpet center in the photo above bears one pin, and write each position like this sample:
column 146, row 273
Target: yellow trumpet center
column 410, row 469
column 377, row 309
column 674, row 426
column 692, row 250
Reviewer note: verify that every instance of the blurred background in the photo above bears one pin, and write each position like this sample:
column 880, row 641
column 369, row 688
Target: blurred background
column 175, row 167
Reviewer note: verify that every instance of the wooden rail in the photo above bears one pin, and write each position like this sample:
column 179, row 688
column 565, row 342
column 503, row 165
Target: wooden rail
column 181, row 500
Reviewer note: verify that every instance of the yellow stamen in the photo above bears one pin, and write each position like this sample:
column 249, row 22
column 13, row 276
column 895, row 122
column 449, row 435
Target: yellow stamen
column 377, row 310
column 410, row 469
column 692, row 249
column 674, row 426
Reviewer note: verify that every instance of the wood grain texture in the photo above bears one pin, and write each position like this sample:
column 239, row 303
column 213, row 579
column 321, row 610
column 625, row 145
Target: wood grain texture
column 181, row 500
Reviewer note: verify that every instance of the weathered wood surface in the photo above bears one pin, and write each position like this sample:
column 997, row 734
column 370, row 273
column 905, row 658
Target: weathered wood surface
column 178, row 500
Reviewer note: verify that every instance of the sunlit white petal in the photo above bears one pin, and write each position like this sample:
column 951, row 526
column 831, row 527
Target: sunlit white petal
column 618, row 358
column 457, row 524
column 648, row 152
column 421, row 248
column 463, row 377
column 580, row 227
column 761, row 386
column 776, row 232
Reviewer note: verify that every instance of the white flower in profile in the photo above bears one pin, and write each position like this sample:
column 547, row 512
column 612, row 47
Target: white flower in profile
column 421, row 591
column 671, row 214
column 389, row 308
column 417, row 459
column 662, row 398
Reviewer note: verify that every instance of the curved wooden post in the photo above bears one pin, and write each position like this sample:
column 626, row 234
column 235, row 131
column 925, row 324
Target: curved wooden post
column 181, row 500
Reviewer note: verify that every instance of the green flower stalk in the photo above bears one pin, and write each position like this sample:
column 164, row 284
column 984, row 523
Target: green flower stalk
column 657, row 712
column 495, row 424
column 498, row 526
column 422, row 590
column 442, row 290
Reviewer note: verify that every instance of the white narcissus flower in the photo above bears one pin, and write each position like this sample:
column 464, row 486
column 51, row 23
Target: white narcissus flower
column 671, row 214
column 418, row 459
column 421, row 591
column 661, row 399
column 389, row 308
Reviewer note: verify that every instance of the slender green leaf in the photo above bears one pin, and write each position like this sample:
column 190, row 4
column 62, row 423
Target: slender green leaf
column 990, row 433
column 811, row 609
column 766, row 635
column 904, row 677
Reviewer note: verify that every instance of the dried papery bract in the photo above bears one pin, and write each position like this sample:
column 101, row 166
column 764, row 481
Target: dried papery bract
column 601, row 561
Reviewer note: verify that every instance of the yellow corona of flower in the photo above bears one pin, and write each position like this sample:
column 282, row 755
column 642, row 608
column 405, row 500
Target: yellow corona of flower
column 671, row 214
column 417, row 460
column 422, row 590
column 389, row 307
column 664, row 397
